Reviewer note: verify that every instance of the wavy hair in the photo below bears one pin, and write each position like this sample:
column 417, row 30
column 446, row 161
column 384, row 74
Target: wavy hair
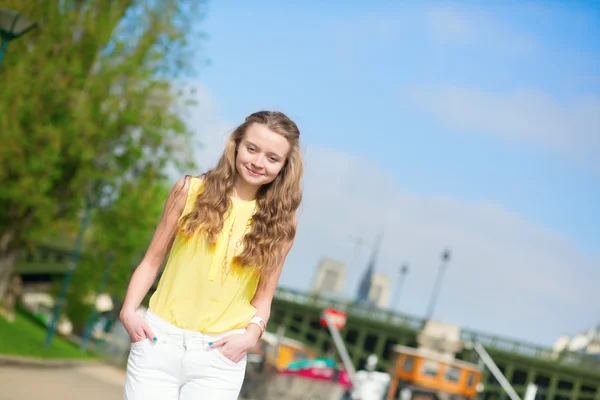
column 273, row 223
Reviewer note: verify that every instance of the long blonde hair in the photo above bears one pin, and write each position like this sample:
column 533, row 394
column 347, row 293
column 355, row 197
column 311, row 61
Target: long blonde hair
column 273, row 224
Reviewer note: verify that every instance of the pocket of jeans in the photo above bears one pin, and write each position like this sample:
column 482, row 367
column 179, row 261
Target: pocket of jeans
column 157, row 333
column 227, row 360
column 139, row 343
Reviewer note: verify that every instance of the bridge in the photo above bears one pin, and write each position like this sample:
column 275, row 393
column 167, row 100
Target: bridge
column 560, row 376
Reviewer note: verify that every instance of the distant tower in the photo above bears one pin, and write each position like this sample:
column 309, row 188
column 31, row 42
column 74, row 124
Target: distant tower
column 374, row 287
column 379, row 294
column 364, row 288
column 329, row 277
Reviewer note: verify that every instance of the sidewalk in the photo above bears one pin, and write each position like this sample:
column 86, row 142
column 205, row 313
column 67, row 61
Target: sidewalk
column 94, row 382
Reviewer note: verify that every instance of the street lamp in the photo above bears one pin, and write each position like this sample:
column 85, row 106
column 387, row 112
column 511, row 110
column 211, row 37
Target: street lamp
column 92, row 319
column 70, row 269
column 12, row 26
column 403, row 271
column 438, row 284
column 91, row 199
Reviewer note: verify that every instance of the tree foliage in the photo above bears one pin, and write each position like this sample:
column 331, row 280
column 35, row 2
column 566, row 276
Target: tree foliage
column 120, row 232
column 89, row 108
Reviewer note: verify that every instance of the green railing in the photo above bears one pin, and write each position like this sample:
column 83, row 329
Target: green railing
column 521, row 348
column 490, row 342
column 350, row 308
column 43, row 259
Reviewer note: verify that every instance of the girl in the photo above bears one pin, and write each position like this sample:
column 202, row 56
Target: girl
column 228, row 233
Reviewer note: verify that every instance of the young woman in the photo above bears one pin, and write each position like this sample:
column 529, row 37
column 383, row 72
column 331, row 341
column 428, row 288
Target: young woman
column 228, row 233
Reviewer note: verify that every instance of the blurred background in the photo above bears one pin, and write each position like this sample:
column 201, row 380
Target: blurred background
column 451, row 187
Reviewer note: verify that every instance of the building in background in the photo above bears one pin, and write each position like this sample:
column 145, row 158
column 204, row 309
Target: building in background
column 379, row 294
column 329, row 277
column 585, row 342
column 374, row 288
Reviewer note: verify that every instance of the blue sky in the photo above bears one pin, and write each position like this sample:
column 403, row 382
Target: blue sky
column 487, row 114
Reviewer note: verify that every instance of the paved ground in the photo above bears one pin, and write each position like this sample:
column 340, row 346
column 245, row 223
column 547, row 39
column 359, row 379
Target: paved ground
column 97, row 382
column 102, row 382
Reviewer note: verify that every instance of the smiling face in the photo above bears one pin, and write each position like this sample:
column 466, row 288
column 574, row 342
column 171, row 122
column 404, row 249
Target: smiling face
column 261, row 154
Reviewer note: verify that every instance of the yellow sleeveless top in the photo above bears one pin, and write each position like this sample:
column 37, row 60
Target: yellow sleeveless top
column 194, row 293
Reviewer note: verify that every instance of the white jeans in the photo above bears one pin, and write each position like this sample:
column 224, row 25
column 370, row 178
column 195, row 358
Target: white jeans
column 180, row 365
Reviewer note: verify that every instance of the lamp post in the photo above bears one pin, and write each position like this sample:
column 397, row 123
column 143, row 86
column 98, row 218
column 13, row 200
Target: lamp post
column 92, row 320
column 403, row 271
column 91, row 198
column 70, row 269
column 12, row 26
column 438, row 284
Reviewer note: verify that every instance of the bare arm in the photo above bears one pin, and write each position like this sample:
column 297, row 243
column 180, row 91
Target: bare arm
column 147, row 271
column 263, row 298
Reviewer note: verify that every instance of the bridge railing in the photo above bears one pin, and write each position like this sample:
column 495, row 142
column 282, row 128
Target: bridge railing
column 43, row 259
column 504, row 344
column 350, row 308
column 522, row 348
column 490, row 342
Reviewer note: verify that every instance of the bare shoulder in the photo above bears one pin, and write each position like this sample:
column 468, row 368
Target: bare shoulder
column 182, row 186
column 179, row 193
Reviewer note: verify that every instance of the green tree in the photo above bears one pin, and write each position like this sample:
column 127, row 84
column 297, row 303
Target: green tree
column 121, row 230
column 89, row 106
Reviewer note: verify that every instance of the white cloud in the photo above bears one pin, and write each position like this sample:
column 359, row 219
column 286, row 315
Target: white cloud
column 507, row 275
column 469, row 26
column 571, row 128
column 449, row 25
column 444, row 25
column 368, row 27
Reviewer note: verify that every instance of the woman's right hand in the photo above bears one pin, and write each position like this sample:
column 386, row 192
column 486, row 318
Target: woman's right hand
column 137, row 328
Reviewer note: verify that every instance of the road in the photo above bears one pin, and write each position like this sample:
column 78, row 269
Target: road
column 97, row 382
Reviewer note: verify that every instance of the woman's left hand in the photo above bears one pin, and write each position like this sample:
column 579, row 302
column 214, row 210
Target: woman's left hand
column 235, row 347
